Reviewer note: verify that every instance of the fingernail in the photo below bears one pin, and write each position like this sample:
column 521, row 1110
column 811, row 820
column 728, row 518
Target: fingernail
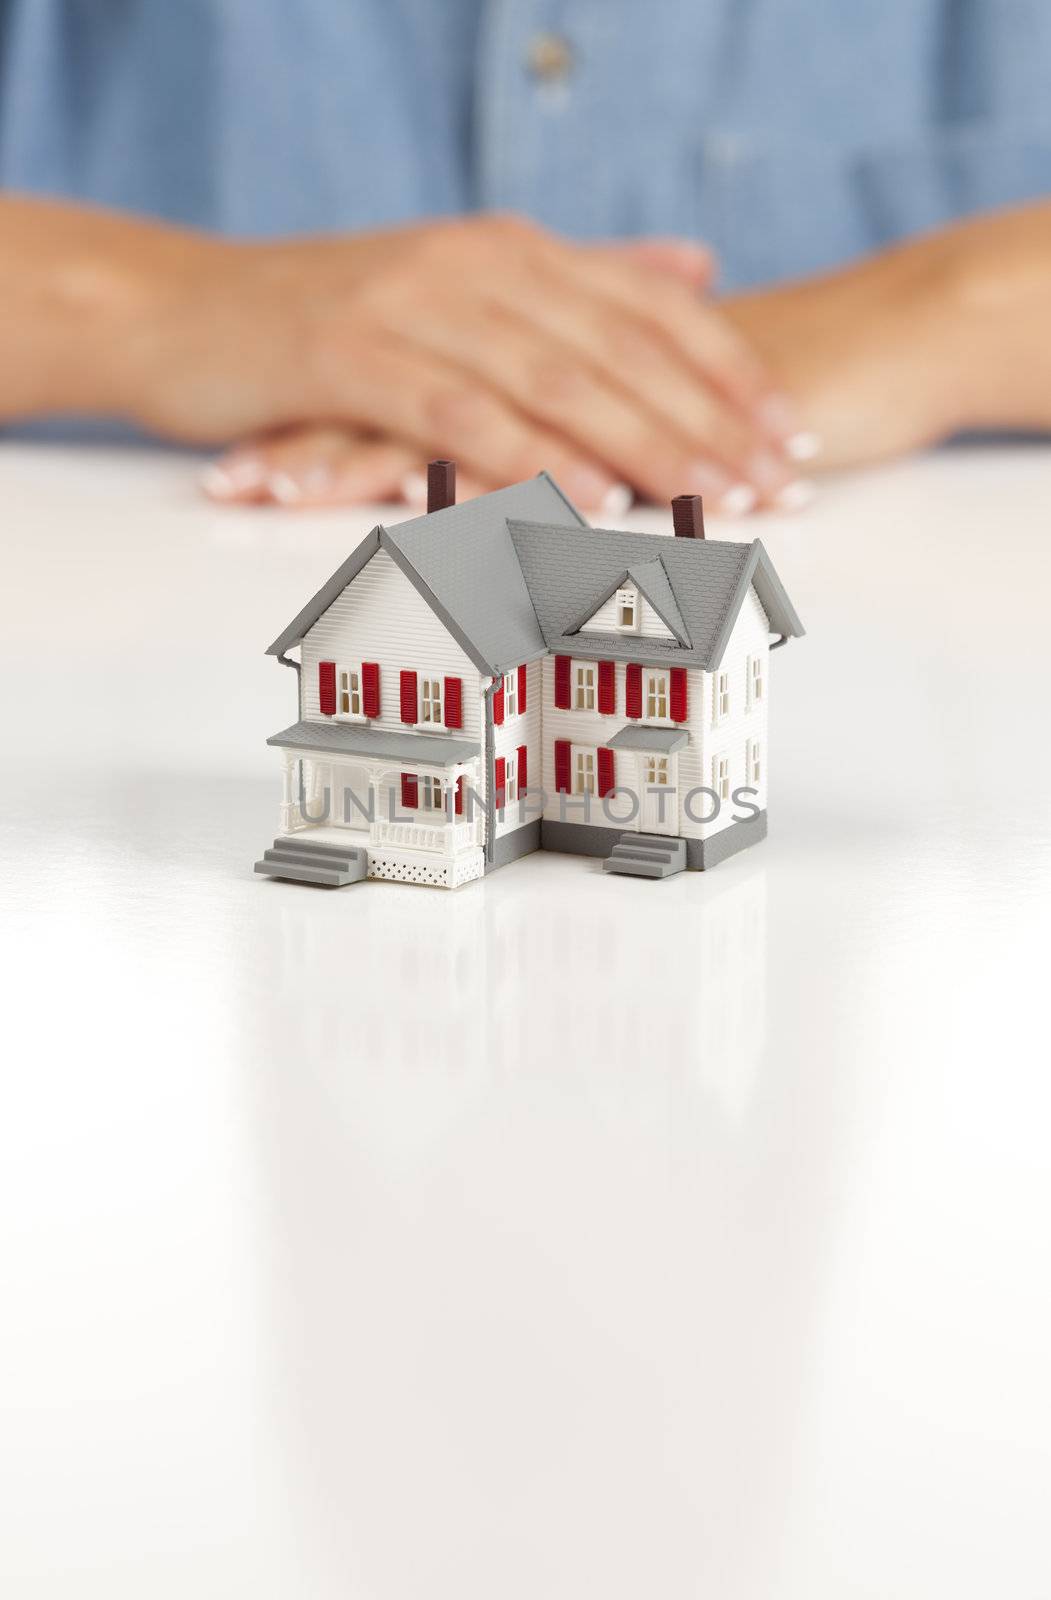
column 767, row 472
column 738, row 500
column 778, row 415
column 225, row 480
column 414, row 489
column 804, row 445
column 794, row 496
column 286, row 490
column 617, row 501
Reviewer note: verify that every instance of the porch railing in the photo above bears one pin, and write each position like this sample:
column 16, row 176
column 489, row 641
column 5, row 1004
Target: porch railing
column 445, row 839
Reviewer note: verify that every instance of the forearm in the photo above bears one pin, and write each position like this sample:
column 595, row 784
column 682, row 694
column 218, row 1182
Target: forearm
column 78, row 289
column 997, row 335
column 943, row 333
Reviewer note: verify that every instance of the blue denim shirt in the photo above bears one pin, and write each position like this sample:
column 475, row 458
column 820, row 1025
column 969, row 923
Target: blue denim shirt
column 791, row 134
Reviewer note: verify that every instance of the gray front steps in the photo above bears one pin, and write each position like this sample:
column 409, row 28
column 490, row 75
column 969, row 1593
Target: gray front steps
column 646, row 855
column 304, row 861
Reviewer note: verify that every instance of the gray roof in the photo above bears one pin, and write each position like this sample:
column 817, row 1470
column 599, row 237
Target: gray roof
column 565, row 568
column 661, row 741
column 463, row 563
column 514, row 574
column 353, row 739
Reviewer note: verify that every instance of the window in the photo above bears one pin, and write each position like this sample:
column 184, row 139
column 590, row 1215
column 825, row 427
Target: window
column 510, row 778
column 656, row 772
column 584, row 698
column 721, row 776
column 432, row 711
column 720, row 696
column 583, row 772
column 656, row 694
column 628, row 610
column 753, row 763
column 510, row 695
column 755, row 681
column 432, row 795
column 348, row 703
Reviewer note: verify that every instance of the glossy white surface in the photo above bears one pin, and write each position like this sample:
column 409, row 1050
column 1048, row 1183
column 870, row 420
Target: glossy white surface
column 568, row 1235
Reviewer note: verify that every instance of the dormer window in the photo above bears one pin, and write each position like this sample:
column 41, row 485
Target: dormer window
column 628, row 610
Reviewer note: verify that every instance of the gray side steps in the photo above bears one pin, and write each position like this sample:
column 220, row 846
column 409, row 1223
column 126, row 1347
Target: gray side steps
column 646, row 855
column 306, row 862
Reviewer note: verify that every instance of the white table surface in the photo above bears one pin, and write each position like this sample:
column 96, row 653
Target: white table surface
column 564, row 1236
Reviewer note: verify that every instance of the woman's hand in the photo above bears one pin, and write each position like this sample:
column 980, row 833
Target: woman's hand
column 487, row 341
column 323, row 465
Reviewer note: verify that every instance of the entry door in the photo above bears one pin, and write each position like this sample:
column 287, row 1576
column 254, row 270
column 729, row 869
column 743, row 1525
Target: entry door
column 656, row 772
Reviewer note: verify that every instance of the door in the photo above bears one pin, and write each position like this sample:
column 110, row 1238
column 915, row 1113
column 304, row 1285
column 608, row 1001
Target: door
column 656, row 774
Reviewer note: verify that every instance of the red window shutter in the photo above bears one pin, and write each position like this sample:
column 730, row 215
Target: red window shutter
column 677, row 696
column 454, row 702
column 409, row 697
column 458, row 802
column 521, row 689
column 326, row 688
column 523, row 770
column 563, row 670
column 410, row 792
column 607, row 688
column 498, row 704
column 500, row 782
column 370, row 688
column 607, row 780
column 633, row 690
column 562, row 758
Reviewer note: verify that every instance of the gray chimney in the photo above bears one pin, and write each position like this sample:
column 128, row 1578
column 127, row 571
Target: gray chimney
column 441, row 485
column 687, row 511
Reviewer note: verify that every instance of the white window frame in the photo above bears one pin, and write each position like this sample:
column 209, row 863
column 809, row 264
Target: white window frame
column 658, row 695
column 430, row 795
column 585, row 682
column 584, row 769
column 721, row 775
column 753, row 762
column 349, row 672
column 627, row 600
column 756, row 686
column 720, row 697
column 510, row 777
column 653, row 767
column 510, row 695
column 426, row 701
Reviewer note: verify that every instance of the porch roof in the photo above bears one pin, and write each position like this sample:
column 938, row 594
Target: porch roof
column 661, row 741
column 385, row 744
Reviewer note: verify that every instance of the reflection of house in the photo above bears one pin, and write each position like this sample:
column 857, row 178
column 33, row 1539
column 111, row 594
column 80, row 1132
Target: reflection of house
column 498, row 677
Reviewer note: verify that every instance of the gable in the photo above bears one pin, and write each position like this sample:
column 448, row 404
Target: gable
column 605, row 619
column 381, row 616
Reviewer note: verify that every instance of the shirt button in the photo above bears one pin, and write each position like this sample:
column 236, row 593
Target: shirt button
column 549, row 58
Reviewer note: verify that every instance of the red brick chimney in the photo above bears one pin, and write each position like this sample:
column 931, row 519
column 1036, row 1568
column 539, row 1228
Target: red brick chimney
column 441, row 485
column 687, row 513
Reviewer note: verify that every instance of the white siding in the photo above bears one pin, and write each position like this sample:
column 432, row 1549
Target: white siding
column 694, row 762
column 381, row 617
column 750, row 638
column 650, row 624
column 522, row 729
column 580, row 727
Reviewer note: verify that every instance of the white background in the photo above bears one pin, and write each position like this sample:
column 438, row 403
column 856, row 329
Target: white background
column 567, row 1235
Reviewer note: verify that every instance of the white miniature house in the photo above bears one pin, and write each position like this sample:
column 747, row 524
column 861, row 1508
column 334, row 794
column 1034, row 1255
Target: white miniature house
column 498, row 677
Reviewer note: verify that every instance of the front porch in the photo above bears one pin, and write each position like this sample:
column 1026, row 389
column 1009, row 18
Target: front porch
column 404, row 798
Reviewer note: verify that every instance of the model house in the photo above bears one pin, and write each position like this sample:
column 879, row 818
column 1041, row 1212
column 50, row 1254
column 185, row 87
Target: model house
column 499, row 677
